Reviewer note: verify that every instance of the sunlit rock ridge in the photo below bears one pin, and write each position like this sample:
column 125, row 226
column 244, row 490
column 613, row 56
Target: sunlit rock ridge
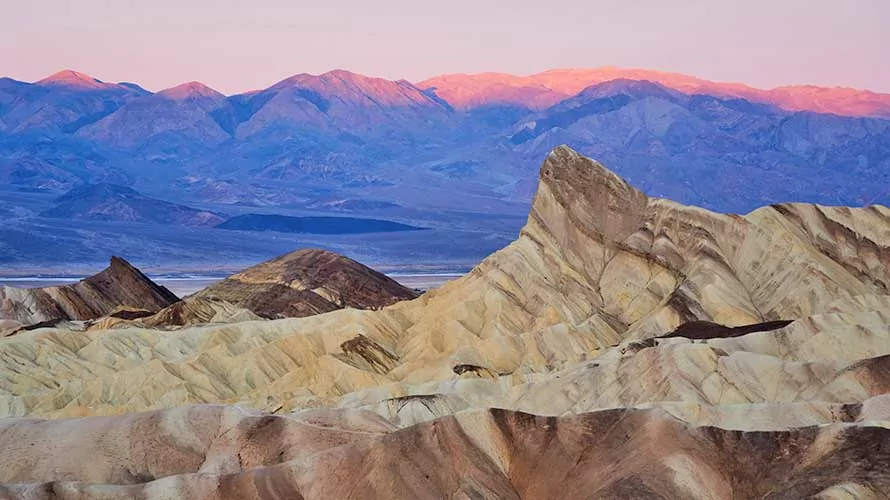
column 557, row 368
column 119, row 285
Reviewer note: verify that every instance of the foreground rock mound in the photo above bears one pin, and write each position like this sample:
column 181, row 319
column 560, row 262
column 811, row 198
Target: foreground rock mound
column 308, row 282
column 192, row 312
column 120, row 285
column 215, row 452
column 635, row 348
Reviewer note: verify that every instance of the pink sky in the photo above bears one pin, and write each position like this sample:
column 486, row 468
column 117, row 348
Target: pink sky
column 235, row 46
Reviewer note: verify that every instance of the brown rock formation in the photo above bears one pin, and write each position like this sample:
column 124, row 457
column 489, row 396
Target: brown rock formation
column 308, row 282
column 120, row 285
column 192, row 312
column 215, row 452
column 598, row 273
column 701, row 330
column 636, row 348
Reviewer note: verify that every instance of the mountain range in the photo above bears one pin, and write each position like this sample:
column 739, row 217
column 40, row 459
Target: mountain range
column 313, row 144
column 545, row 89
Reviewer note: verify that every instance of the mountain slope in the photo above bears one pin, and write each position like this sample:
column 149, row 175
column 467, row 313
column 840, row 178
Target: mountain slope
column 574, row 363
column 307, row 282
column 184, row 113
column 60, row 104
column 110, row 202
column 493, row 454
column 337, row 101
column 701, row 144
column 119, row 285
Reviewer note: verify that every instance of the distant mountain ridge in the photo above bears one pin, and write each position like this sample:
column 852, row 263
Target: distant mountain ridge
column 311, row 95
column 119, row 285
column 110, row 202
column 449, row 153
column 71, row 79
column 61, row 103
column 541, row 90
column 182, row 113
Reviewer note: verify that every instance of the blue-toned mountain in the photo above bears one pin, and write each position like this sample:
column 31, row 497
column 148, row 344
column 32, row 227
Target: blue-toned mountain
column 726, row 154
column 108, row 202
column 445, row 156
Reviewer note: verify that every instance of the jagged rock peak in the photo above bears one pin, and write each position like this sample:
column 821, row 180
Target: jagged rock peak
column 126, row 274
column 119, row 285
column 574, row 189
column 565, row 166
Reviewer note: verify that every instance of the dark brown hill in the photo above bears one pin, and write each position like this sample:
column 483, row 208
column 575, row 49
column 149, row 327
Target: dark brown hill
column 308, row 282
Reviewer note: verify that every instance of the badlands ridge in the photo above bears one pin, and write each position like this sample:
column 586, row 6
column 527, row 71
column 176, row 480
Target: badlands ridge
column 622, row 347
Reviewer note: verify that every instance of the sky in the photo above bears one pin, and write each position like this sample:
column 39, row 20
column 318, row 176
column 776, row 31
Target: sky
column 236, row 46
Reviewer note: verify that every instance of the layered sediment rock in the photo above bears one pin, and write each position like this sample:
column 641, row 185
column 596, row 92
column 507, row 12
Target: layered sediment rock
column 308, row 282
column 215, row 452
column 192, row 312
column 120, row 285
column 636, row 348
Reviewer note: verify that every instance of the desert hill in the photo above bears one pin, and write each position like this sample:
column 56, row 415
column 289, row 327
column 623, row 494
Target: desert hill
column 307, row 282
column 633, row 347
column 598, row 265
column 120, row 285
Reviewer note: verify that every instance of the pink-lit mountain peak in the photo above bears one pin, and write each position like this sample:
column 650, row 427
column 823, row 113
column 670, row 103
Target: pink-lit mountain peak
column 75, row 80
column 633, row 88
column 542, row 90
column 552, row 86
column 190, row 90
column 341, row 76
column 358, row 89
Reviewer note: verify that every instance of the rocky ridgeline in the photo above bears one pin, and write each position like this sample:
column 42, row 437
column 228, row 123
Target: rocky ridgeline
column 622, row 347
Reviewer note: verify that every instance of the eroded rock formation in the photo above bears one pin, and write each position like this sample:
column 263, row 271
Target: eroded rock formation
column 634, row 348
column 217, row 452
column 120, row 285
column 192, row 312
column 308, row 282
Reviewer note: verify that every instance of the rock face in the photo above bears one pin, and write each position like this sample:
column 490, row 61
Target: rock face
column 633, row 348
column 119, row 285
column 307, row 282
